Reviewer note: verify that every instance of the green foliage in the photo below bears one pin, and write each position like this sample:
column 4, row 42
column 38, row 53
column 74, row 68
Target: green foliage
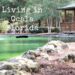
column 55, row 30
column 48, row 8
column 4, row 26
column 40, row 30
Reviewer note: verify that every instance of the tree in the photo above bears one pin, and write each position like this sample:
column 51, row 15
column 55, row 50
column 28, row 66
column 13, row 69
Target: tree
column 47, row 7
column 37, row 9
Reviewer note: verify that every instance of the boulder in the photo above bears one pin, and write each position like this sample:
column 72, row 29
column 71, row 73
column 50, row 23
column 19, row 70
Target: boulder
column 9, row 72
column 53, row 46
column 3, row 72
column 69, row 58
column 24, row 73
column 33, row 66
column 30, row 55
column 27, row 64
column 32, row 61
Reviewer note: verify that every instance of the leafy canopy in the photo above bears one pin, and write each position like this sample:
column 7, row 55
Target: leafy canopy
column 46, row 7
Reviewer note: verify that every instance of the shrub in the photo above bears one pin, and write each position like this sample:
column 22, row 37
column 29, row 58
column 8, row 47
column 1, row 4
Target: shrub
column 55, row 30
column 4, row 26
column 40, row 30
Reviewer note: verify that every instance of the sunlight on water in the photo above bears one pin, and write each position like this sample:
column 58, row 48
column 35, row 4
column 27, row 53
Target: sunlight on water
column 1, row 38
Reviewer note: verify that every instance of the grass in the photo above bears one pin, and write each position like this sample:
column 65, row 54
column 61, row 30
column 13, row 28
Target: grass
column 11, row 46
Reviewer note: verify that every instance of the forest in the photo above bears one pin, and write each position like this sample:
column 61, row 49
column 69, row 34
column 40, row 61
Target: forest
column 28, row 12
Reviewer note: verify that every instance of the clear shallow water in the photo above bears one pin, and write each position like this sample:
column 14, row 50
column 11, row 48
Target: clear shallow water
column 11, row 46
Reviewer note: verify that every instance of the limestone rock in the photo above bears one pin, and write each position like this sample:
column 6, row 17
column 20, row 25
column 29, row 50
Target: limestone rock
column 69, row 58
column 9, row 72
column 32, row 61
column 55, row 46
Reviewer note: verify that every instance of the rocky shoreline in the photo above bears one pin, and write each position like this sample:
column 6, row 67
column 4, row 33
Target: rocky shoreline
column 54, row 58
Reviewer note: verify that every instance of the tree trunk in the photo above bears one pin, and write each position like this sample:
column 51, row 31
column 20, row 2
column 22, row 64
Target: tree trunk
column 39, row 22
column 49, row 23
